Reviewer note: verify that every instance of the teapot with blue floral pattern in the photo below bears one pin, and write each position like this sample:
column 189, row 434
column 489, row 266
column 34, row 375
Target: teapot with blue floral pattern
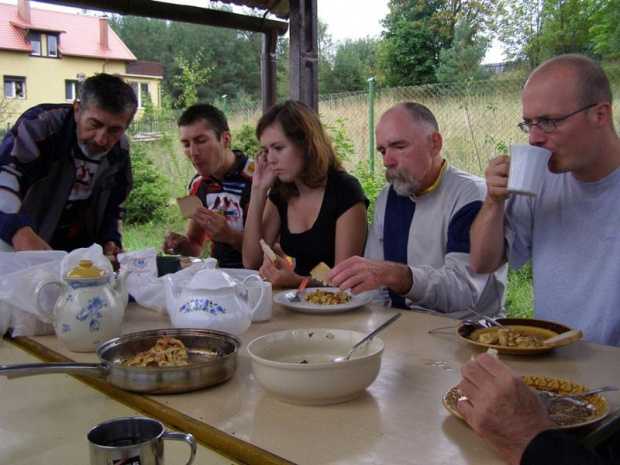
column 90, row 309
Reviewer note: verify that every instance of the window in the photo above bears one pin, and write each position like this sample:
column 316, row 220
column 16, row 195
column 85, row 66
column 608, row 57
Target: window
column 71, row 90
column 52, row 46
column 141, row 90
column 35, row 42
column 14, row 87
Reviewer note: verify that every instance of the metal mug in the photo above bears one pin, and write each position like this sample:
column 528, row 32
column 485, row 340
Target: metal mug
column 133, row 441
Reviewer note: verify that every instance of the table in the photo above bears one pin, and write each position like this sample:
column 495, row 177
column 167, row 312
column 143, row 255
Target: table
column 45, row 419
column 398, row 420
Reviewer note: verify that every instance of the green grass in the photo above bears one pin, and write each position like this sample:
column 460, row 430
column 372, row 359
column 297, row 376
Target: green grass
column 519, row 296
column 144, row 236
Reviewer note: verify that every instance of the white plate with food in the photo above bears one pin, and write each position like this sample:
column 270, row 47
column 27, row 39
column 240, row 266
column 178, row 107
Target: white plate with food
column 324, row 300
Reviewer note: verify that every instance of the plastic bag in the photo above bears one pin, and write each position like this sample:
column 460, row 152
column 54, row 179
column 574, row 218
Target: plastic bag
column 149, row 291
column 22, row 272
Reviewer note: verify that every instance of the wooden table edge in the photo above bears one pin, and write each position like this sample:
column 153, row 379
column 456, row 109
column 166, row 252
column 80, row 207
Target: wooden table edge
column 219, row 441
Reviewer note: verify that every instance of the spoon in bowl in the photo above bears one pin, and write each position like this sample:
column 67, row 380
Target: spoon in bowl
column 368, row 338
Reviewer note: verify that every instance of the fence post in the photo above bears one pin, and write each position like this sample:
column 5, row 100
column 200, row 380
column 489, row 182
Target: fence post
column 371, row 124
column 224, row 100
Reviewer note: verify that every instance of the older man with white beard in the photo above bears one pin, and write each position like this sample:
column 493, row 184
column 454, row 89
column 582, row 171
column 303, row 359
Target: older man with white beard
column 417, row 250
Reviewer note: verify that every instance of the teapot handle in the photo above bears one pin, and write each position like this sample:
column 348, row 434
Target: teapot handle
column 48, row 316
column 255, row 277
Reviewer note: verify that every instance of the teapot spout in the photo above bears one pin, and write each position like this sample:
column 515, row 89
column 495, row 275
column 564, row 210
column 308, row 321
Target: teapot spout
column 121, row 286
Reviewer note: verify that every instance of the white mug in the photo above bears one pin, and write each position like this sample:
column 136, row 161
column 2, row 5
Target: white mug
column 527, row 166
column 265, row 308
column 133, row 440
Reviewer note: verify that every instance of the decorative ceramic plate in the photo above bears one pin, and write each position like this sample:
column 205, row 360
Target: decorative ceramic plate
column 307, row 307
column 469, row 332
column 565, row 418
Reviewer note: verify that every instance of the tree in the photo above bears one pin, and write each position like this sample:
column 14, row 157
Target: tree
column 411, row 43
column 566, row 28
column 417, row 31
column 353, row 62
column 462, row 61
column 233, row 56
column 605, row 29
column 535, row 30
column 193, row 75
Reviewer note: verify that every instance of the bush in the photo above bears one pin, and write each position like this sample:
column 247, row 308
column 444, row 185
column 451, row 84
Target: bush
column 244, row 139
column 150, row 195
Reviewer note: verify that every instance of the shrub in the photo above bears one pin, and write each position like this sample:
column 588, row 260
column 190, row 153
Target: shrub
column 244, row 139
column 150, row 194
column 371, row 182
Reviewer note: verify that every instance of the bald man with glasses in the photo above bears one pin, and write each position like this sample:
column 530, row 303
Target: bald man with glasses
column 571, row 230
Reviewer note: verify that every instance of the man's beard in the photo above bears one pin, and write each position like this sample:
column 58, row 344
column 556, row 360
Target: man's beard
column 92, row 150
column 403, row 182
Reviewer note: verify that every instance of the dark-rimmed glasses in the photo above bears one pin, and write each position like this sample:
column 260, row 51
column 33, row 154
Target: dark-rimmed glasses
column 549, row 125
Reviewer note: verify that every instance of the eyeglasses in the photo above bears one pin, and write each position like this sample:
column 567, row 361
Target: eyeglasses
column 549, row 125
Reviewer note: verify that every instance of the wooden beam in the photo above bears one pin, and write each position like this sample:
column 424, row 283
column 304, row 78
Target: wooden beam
column 268, row 71
column 183, row 13
column 304, row 56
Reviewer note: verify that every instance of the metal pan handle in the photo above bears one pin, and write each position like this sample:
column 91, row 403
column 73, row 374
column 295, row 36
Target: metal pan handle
column 31, row 369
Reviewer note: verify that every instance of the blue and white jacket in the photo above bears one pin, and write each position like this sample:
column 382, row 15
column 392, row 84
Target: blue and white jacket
column 37, row 172
column 430, row 233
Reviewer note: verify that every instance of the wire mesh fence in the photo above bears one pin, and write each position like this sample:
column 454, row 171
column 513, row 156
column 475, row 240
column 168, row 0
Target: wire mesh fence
column 478, row 120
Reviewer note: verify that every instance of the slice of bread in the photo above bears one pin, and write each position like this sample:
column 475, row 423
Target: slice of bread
column 188, row 205
column 319, row 273
column 563, row 339
column 270, row 253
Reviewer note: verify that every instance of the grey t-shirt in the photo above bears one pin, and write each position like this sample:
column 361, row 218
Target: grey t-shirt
column 571, row 232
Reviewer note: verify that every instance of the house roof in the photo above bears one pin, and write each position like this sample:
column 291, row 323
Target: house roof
column 79, row 35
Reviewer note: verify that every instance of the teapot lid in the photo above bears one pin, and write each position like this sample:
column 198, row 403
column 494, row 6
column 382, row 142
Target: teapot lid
column 211, row 278
column 85, row 269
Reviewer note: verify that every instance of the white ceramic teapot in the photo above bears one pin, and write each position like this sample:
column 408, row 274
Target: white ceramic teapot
column 212, row 300
column 90, row 309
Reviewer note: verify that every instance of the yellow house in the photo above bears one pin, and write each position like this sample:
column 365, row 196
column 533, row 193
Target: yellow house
column 45, row 54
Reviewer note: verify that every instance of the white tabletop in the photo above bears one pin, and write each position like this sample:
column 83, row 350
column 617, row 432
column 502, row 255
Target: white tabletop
column 400, row 419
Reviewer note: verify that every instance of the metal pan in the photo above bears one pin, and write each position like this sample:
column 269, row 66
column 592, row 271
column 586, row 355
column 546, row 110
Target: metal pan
column 213, row 357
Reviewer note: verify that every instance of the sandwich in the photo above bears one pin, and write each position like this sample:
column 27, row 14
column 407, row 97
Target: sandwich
column 188, row 205
column 269, row 252
column 319, row 273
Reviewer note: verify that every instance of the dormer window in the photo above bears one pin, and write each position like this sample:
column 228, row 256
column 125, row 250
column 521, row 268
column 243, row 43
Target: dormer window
column 52, row 46
column 35, row 42
column 43, row 45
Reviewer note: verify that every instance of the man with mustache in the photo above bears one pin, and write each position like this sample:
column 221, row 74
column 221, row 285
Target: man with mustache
column 417, row 250
column 65, row 171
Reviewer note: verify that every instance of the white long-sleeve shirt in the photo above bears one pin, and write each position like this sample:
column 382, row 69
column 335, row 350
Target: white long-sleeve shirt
column 436, row 225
